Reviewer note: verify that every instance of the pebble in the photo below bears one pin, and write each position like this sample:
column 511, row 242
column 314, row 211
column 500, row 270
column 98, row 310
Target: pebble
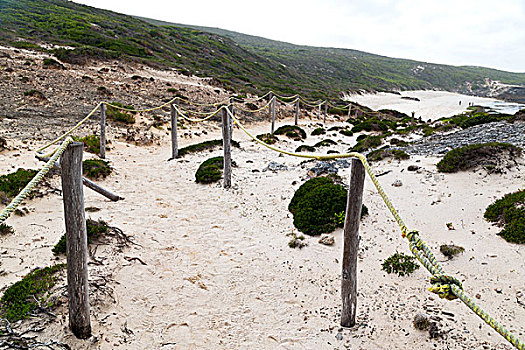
column 327, row 240
column 397, row 183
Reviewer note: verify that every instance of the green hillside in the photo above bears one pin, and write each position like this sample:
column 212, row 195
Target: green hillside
column 241, row 62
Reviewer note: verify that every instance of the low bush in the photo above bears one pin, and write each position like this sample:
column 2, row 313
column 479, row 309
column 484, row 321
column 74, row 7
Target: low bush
column 11, row 184
column 400, row 263
column 305, row 148
column 509, row 212
column 26, row 295
column 366, row 143
column 210, row 170
column 34, row 93
column 203, row 146
column 51, row 63
column 472, row 156
column 318, row 131
column 324, row 143
column 268, row 138
column 91, row 143
column 94, row 229
column 96, row 168
column 118, row 115
column 381, row 154
column 5, row 229
column 315, row 205
column 291, row 131
column 346, row 132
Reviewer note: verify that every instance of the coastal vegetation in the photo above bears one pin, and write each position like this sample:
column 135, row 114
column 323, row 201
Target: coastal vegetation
column 11, row 184
column 268, row 138
column 94, row 229
column 292, row 131
column 509, row 213
column 203, row 146
column 5, row 229
column 210, row 170
column 400, row 263
column 96, row 168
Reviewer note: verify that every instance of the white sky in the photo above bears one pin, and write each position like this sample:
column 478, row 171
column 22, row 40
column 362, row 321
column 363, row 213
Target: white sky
column 485, row 33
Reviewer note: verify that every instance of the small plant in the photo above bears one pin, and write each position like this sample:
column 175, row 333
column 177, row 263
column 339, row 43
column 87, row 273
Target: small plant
column 305, row 148
column 94, row 229
column 381, row 154
column 172, row 90
column 203, row 146
column 346, row 132
column 210, row 170
column 450, row 250
column 296, row 241
column 472, row 156
column 400, row 263
column 11, row 184
column 23, row 297
column 118, row 115
column 96, row 168
column 5, row 229
column 318, row 131
column 339, row 218
column 291, row 131
column 367, row 142
column 51, row 63
column 324, row 143
column 91, row 143
column 509, row 212
column 268, row 138
column 35, row 93
column 103, row 90
column 450, row 226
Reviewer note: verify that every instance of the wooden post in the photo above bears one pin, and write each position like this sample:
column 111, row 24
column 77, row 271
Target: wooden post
column 297, row 112
column 273, row 114
column 227, row 148
column 230, row 119
column 101, row 190
column 413, row 117
column 319, row 111
column 325, row 111
column 349, row 110
column 103, row 131
column 356, row 111
column 270, row 108
column 351, row 243
column 76, row 241
column 174, row 141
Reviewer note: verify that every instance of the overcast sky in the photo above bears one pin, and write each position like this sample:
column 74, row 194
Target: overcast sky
column 459, row 32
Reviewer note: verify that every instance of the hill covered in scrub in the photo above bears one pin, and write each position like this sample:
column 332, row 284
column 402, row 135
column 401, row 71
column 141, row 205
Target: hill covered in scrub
column 237, row 61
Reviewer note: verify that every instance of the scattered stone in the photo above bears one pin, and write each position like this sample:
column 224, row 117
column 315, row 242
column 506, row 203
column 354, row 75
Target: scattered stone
column 498, row 290
column 421, row 321
column 339, row 336
column 327, row 240
column 413, row 168
column 274, row 166
column 397, row 183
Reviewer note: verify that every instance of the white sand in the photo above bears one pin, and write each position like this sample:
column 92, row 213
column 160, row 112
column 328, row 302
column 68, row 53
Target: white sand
column 220, row 275
column 432, row 105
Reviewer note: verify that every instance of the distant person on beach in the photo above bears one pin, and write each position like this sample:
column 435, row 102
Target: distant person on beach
column 460, row 102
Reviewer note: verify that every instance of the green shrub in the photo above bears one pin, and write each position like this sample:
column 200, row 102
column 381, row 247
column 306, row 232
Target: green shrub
column 5, row 229
column 291, row 131
column 91, row 143
column 318, row 131
column 375, row 124
column 381, row 154
column 210, row 170
column 324, row 143
column 95, row 168
column 346, row 132
column 509, row 212
column 49, row 62
column 24, row 296
column 315, row 204
column 339, row 218
column 11, row 184
column 118, row 115
column 366, row 143
column 172, row 90
column 305, row 148
column 203, row 146
column 400, row 263
column 268, row 138
column 468, row 157
column 94, row 229
column 34, row 93
column 450, row 250
column 25, row 45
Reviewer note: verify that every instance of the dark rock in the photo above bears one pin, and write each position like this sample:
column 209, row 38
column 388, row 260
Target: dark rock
column 274, row 166
column 413, row 168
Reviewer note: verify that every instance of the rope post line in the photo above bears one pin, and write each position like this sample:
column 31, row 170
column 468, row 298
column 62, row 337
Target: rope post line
column 297, row 112
column 174, row 142
column 226, row 140
column 351, row 243
column 102, row 130
column 76, row 240
column 273, row 114
column 325, row 111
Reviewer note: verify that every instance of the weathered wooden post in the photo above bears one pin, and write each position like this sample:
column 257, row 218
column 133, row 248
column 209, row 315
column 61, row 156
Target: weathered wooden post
column 76, row 241
column 103, row 130
column 356, row 111
column 325, row 111
column 270, row 107
column 319, row 111
column 174, row 141
column 351, row 243
column 227, row 148
column 413, row 117
column 231, row 120
column 297, row 112
column 349, row 110
column 273, row 113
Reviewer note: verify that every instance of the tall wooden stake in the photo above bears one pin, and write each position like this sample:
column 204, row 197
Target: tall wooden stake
column 349, row 111
column 413, row 118
column 174, row 141
column 319, row 111
column 231, row 120
column 325, row 111
column 351, row 243
column 76, row 241
column 297, row 112
column 102, row 130
column 273, row 114
column 270, row 108
column 227, row 149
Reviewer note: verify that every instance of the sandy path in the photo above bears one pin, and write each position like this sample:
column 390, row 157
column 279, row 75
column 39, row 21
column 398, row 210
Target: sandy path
column 220, row 275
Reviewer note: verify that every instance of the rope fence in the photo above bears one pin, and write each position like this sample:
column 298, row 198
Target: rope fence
column 445, row 285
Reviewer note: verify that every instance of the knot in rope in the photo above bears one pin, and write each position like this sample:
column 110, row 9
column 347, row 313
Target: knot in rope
column 441, row 285
column 412, row 236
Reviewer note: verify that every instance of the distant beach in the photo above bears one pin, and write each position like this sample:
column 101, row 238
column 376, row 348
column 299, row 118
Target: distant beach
column 432, row 104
